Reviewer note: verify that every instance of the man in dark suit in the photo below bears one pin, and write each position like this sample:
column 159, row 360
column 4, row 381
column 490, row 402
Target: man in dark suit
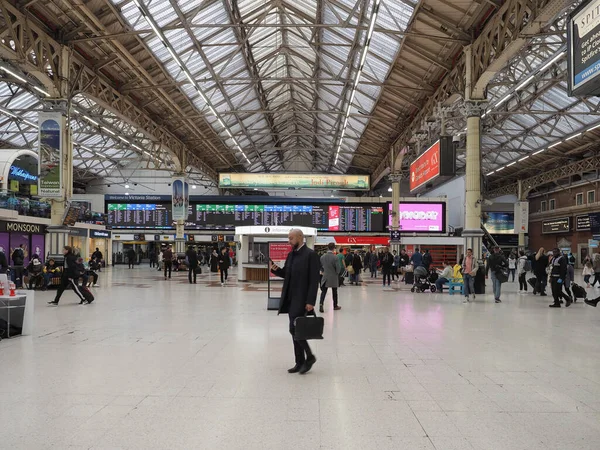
column 299, row 294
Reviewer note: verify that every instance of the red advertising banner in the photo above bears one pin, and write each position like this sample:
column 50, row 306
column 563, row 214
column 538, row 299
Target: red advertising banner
column 361, row 240
column 426, row 167
column 278, row 253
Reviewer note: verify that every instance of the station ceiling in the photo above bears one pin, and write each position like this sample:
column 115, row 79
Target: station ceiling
column 288, row 85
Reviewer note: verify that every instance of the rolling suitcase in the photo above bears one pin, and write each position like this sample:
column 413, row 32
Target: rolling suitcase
column 87, row 294
column 409, row 278
column 578, row 292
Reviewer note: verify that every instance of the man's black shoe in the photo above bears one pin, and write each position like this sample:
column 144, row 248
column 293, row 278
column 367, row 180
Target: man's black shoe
column 307, row 365
column 54, row 303
column 295, row 369
column 569, row 301
column 543, row 294
column 593, row 303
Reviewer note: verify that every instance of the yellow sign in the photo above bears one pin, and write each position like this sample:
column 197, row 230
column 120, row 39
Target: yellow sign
column 14, row 185
column 294, row 180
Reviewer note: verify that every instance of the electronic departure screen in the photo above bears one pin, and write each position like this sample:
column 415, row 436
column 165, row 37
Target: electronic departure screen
column 139, row 215
column 230, row 216
column 343, row 218
column 356, row 218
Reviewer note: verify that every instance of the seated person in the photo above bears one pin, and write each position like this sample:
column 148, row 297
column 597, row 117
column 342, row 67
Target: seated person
column 82, row 271
column 176, row 264
column 34, row 270
column 50, row 271
column 445, row 276
column 458, row 277
column 93, row 269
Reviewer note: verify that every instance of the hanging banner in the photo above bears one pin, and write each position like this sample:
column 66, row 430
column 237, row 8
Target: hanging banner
column 179, row 204
column 522, row 217
column 294, row 181
column 50, row 144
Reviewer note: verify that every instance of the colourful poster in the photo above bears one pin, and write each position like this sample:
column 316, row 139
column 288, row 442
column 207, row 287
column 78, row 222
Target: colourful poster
column 50, row 154
column 179, row 204
column 278, row 253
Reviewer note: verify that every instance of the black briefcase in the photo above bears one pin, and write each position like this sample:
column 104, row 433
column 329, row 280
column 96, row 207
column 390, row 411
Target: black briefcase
column 308, row 327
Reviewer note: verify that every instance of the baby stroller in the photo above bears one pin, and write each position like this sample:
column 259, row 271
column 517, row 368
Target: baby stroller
column 424, row 281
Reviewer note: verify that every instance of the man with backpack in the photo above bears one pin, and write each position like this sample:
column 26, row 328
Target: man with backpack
column 18, row 258
column 496, row 263
column 69, row 278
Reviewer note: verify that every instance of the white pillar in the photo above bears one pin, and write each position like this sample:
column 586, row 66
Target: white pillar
column 242, row 255
column 473, row 233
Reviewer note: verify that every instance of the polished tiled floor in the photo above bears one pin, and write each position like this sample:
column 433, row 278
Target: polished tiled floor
column 165, row 365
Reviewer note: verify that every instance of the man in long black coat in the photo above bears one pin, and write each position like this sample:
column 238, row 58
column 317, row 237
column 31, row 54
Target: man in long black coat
column 299, row 295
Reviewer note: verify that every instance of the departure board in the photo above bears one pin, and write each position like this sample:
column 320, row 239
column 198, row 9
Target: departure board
column 230, row 216
column 139, row 215
column 356, row 218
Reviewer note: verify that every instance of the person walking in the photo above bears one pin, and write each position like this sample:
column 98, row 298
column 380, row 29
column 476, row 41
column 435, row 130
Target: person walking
column 373, row 260
column 387, row 261
column 416, row 259
column 539, row 270
column 224, row 263
column 470, row 268
column 558, row 275
column 522, row 264
column 131, row 257
column 395, row 266
column 596, row 267
column 427, row 260
column 342, row 262
column 98, row 256
column 404, row 262
column 3, row 263
column 168, row 261
column 587, row 273
column 18, row 259
column 357, row 266
column 512, row 266
column 299, row 295
column 496, row 262
column 330, row 280
column 192, row 261
column 69, row 278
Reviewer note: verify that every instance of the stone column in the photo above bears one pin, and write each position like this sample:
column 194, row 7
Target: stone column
column 473, row 233
column 395, row 178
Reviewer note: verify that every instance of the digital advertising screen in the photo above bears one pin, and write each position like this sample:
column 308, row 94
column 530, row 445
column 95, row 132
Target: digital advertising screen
column 500, row 222
column 421, row 217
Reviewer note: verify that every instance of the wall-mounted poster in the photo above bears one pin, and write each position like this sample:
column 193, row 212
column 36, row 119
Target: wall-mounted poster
column 51, row 128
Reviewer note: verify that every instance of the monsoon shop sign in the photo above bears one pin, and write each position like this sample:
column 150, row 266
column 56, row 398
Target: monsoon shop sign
column 294, row 181
column 21, row 174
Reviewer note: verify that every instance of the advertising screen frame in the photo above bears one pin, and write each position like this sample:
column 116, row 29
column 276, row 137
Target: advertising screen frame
column 444, row 222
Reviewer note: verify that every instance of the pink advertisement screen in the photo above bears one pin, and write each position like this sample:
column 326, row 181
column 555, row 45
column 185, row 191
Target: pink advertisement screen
column 420, row 217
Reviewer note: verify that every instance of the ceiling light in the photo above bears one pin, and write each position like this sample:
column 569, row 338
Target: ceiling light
column 511, row 164
column 555, row 144
column 41, row 91
column 593, row 128
column 390, row 189
column 13, row 74
column 126, row 186
column 538, row 152
column 30, row 123
column 573, row 137
column 524, row 158
column 552, row 61
column 126, row 193
column 193, row 186
column 91, row 120
column 109, row 131
column 380, row 195
column 503, row 100
column 524, row 83
column 499, row 169
column 493, row 171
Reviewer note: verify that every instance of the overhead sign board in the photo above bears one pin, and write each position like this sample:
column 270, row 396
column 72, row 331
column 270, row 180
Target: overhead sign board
column 583, row 45
column 582, row 222
column 562, row 225
column 294, row 181
column 437, row 161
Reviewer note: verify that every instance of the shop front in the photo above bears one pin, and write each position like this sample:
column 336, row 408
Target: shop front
column 100, row 239
column 30, row 235
column 78, row 241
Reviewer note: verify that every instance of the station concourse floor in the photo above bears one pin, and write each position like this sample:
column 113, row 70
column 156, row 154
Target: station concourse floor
column 156, row 364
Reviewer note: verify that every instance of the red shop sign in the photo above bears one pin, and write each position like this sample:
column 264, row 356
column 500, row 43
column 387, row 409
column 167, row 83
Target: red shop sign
column 362, row 240
column 426, row 167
